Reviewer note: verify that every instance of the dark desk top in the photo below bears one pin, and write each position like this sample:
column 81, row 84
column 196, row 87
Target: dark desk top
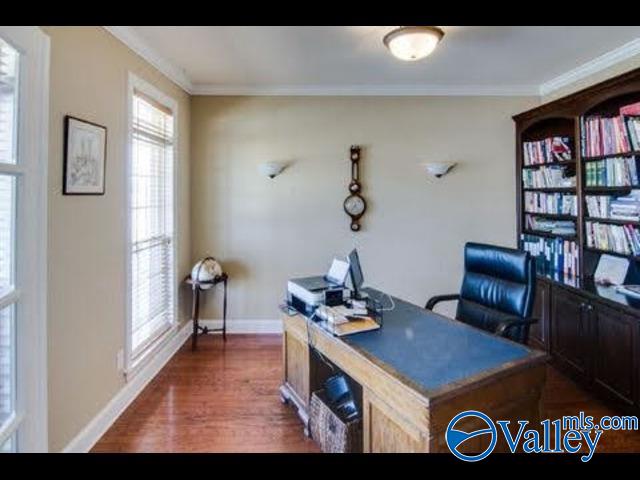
column 432, row 351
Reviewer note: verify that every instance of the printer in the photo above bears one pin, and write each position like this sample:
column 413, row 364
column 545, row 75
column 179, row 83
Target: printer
column 307, row 293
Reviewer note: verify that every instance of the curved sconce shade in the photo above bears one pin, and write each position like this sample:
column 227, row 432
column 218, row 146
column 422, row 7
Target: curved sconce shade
column 439, row 169
column 271, row 169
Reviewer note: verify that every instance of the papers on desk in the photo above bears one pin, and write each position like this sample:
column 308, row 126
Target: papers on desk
column 342, row 320
column 364, row 324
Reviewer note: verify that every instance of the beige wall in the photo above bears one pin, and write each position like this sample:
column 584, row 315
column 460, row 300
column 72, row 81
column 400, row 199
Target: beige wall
column 615, row 70
column 266, row 231
column 87, row 233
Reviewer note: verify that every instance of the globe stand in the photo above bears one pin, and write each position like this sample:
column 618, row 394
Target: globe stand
column 196, row 288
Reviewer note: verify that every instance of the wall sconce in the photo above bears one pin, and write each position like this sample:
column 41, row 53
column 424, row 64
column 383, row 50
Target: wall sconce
column 271, row 169
column 439, row 169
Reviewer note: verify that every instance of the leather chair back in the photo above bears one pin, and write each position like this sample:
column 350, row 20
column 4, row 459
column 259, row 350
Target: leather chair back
column 498, row 283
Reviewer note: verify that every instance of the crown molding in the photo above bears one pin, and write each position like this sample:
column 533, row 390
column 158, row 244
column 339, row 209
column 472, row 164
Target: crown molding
column 598, row 64
column 366, row 90
column 136, row 43
column 140, row 46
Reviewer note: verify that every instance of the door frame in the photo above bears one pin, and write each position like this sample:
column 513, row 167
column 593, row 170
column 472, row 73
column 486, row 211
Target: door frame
column 32, row 235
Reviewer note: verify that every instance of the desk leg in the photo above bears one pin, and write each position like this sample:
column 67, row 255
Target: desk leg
column 195, row 312
column 224, row 313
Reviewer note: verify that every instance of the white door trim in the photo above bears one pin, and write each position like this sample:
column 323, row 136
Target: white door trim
column 32, row 234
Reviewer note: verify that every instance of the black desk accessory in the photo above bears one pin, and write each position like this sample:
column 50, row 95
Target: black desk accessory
column 340, row 397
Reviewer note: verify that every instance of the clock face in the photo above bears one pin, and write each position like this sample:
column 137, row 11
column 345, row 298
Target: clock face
column 354, row 205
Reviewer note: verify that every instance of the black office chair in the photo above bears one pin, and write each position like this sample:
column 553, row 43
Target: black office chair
column 497, row 291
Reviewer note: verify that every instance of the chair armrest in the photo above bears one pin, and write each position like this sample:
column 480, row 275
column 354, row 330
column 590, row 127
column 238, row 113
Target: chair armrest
column 441, row 298
column 507, row 324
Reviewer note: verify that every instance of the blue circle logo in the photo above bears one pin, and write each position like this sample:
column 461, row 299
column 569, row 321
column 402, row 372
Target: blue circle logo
column 456, row 438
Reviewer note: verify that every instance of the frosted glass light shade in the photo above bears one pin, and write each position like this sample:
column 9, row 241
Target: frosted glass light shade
column 413, row 43
column 439, row 169
column 271, row 169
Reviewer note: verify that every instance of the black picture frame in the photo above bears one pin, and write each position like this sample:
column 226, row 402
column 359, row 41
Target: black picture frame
column 68, row 189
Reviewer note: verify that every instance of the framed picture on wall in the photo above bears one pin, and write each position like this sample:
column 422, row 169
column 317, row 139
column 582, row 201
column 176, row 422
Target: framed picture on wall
column 85, row 154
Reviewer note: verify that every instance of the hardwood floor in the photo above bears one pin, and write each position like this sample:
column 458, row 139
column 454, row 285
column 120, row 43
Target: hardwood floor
column 224, row 398
column 221, row 398
column 563, row 397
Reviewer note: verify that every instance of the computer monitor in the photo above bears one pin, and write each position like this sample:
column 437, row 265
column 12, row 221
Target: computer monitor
column 357, row 279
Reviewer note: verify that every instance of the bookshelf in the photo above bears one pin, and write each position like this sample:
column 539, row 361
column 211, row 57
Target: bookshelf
column 591, row 332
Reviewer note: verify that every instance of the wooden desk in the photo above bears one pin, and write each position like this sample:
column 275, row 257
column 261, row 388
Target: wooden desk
column 417, row 372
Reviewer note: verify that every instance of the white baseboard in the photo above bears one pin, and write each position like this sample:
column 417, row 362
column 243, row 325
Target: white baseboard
column 96, row 428
column 246, row 326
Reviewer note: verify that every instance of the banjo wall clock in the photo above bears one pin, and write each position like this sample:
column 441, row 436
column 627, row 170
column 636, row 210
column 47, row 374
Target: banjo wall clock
column 354, row 204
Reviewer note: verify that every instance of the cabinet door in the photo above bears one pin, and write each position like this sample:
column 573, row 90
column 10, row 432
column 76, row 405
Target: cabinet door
column 539, row 332
column 615, row 348
column 296, row 367
column 386, row 431
column 569, row 332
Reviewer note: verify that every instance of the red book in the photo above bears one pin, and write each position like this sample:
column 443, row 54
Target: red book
column 633, row 109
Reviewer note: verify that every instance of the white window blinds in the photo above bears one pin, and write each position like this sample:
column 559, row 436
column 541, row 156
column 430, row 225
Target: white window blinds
column 151, row 223
column 8, row 103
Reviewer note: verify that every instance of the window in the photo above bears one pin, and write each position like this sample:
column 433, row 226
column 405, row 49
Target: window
column 152, row 281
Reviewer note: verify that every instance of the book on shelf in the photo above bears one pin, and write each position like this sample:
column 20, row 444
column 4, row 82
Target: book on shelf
column 552, row 254
column 617, row 208
column 562, row 277
column 550, row 203
column 621, row 239
column 609, row 135
column 546, row 225
column 631, row 109
column 612, row 172
column 548, row 177
column 549, row 150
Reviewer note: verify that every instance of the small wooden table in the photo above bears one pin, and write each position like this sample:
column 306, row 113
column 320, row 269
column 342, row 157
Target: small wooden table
column 196, row 288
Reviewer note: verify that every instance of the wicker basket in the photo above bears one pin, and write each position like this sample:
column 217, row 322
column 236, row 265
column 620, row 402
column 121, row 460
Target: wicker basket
column 332, row 433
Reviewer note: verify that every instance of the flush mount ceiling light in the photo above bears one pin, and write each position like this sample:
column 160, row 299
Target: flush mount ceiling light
column 413, row 43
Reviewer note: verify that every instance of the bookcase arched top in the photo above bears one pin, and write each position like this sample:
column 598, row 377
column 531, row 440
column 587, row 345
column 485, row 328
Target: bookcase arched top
column 610, row 107
column 602, row 96
column 548, row 127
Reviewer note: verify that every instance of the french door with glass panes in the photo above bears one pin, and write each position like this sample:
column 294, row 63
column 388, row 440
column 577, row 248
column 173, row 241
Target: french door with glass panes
column 24, row 58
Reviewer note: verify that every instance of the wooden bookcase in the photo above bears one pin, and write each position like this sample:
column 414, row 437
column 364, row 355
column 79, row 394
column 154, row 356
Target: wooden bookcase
column 592, row 332
column 562, row 118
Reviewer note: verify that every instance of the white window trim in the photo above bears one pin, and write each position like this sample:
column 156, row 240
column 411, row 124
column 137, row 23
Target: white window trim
column 132, row 366
column 32, row 407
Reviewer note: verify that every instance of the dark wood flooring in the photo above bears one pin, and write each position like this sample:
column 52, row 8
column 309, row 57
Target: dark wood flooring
column 224, row 398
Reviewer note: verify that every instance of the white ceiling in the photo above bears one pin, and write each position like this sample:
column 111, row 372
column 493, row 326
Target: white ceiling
column 351, row 60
